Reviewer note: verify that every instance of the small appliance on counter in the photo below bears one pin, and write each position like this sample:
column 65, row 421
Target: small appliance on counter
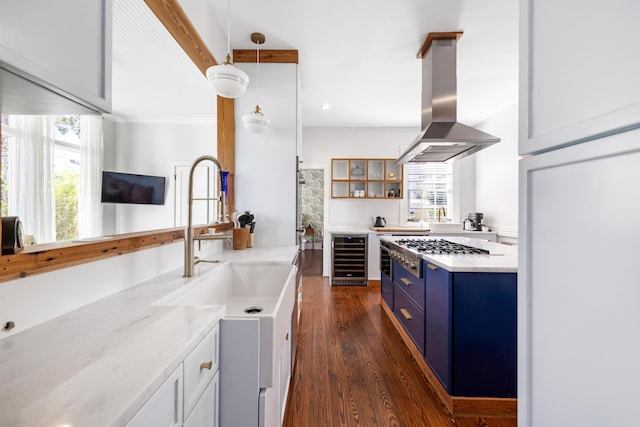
column 473, row 222
column 380, row 221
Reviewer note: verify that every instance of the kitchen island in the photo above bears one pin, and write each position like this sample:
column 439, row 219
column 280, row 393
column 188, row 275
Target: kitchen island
column 375, row 233
column 457, row 314
column 99, row 364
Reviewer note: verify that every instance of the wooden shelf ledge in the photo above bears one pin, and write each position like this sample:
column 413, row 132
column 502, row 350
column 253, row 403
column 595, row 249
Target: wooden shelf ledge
column 46, row 257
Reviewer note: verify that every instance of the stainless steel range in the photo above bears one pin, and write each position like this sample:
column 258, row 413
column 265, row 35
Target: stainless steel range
column 408, row 252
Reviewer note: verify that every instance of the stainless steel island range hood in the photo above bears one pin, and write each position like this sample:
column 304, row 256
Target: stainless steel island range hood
column 442, row 138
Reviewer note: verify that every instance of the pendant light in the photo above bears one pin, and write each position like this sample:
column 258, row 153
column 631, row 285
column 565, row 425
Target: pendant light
column 226, row 79
column 256, row 121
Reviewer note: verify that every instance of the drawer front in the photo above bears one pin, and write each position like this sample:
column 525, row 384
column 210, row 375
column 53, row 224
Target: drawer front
column 411, row 317
column 386, row 290
column 200, row 366
column 164, row 408
column 410, row 284
column 206, row 411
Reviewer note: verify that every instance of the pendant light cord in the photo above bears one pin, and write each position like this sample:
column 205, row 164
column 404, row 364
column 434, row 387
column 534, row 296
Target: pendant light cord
column 258, row 76
column 229, row 31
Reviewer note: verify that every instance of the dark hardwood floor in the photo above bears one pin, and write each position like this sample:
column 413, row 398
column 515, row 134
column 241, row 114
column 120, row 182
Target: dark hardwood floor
column 353, row 369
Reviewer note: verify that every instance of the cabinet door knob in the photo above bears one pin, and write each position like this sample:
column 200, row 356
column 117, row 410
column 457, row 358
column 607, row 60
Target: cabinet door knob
column 206, row 365
column 287, row 337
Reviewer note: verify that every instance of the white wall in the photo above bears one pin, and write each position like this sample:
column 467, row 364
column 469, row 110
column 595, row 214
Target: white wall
column 36, row 299
column 320, row 145
column 496, row 174
column 265, row 164
column 150, row 148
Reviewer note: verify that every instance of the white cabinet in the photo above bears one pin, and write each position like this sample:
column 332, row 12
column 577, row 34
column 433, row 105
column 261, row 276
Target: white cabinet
column 190, row 394
column 579, row 82
column 63, row 46
column 285, row 376
column 200, row 366
column 243, row 402
column 374, row 256
column 273, row 400
column 205, row 413
column 164, row 409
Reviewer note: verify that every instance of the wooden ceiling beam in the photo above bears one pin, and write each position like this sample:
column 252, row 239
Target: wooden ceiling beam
column 266, row 56
column 176, row 21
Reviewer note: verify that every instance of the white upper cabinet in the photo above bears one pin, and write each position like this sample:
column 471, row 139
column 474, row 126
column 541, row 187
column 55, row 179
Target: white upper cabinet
column 64, row 47
column 579, row 71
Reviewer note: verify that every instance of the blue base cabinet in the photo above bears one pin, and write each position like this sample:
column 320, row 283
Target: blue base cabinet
column 408, row 303
column 386, row 289
column 470, row 331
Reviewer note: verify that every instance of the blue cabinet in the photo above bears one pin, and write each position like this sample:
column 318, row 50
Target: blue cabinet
column 438, row 323
column 386, row 289
column 470, row 331
column 408, row 303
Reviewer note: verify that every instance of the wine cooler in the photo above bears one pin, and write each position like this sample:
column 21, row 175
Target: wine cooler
column 349, row 260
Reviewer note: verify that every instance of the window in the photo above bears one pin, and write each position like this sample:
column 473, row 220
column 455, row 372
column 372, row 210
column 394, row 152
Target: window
column 41, row 174
column 429, row 187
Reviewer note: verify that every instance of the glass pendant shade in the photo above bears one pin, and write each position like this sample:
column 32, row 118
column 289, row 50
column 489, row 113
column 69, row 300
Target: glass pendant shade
column 255, row 121
column 227, row 80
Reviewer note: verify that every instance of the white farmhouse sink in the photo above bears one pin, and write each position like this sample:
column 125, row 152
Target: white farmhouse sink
column 242, row 287
column 445, row 227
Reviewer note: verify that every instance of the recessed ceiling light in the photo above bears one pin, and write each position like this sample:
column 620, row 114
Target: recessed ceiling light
column 325, row 106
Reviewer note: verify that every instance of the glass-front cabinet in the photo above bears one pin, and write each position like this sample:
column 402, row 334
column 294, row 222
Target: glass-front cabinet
column 366, row 178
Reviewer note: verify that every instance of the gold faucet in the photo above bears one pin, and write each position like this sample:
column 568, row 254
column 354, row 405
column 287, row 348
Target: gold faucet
column 189, row 260
column 442, row 211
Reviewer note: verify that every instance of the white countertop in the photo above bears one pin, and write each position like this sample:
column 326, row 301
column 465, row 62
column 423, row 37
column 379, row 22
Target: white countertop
column 97, row 365
column 411, row 230
column 501, row 259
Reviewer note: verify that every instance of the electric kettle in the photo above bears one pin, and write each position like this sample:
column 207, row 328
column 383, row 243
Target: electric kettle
column 379, row 222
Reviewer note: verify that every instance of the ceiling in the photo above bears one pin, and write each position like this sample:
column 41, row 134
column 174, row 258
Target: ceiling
column 359, row 56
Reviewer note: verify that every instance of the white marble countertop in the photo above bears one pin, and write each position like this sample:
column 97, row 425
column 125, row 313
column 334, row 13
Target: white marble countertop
column 411, row 230
column 501, row 259
column 97, row 365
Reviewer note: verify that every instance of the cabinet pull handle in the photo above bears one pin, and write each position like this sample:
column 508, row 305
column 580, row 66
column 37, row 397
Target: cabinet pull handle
column 406, row 281
column 406, row 314
column 431, row 267
column 286, row 338
column 206, row 365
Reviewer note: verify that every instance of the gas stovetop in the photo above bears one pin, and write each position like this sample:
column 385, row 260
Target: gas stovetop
column 439, row 246
column 408, row 252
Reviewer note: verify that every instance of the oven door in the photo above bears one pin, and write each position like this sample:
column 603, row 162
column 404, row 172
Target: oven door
column 385, row 259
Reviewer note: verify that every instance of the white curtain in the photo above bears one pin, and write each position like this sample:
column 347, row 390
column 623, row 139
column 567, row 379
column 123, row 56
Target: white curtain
column 31, row 191
column 91, row 155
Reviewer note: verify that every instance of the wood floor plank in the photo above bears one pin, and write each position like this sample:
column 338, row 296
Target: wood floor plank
column 352, row 367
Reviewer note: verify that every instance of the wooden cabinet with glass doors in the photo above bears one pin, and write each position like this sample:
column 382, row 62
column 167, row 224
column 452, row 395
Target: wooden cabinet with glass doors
column 366, row 178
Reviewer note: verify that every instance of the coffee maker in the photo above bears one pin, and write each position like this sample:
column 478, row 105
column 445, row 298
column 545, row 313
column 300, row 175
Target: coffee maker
column 473, row 222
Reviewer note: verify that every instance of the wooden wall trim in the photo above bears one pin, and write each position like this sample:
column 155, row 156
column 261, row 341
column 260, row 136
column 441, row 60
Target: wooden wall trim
column 266, row 56
column 54, row 256
column 226, row 145
column 436, row 36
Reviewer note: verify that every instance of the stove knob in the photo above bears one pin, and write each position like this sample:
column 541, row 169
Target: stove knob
column 412, row 265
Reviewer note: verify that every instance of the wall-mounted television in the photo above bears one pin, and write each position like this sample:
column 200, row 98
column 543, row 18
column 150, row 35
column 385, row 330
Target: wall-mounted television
column 120, row 187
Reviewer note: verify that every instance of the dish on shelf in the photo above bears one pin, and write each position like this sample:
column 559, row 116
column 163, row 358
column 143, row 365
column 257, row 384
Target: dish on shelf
column 357, row 171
